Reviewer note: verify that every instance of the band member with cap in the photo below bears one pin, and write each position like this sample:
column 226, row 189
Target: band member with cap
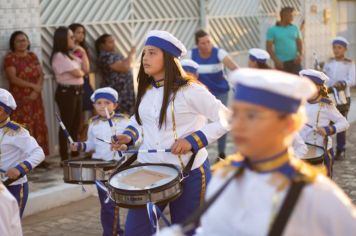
column 10, row 222
column 212, row 61
column 190, row 67
column 172, row 111
column 341, row 72
column 19, row 152
column 270, row 192
column 258, row 58
column 99, row 130
column 320, row 113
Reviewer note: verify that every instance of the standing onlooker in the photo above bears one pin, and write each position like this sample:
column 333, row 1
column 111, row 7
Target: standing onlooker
column 116, row 71
column 25, row 76
column 69, row 71
column 79, row 33
column 285, row 44
column 211, row 62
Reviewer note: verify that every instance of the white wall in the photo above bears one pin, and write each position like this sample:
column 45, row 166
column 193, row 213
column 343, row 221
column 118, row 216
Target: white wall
column 346, row 24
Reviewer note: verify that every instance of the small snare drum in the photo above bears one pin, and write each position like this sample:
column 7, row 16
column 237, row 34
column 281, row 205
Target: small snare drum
column 136, row 185
column 315, row 155
column 87, row 171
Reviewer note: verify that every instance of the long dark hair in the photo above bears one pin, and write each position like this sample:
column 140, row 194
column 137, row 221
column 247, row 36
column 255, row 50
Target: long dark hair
column 173, row 80
column 261, row 65
column 74, row 27
column 13, row 37
column 100, row 41
column 60, row 42
column 323, row 92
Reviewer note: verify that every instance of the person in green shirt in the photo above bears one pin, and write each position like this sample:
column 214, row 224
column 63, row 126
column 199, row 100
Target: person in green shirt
column 284, row 43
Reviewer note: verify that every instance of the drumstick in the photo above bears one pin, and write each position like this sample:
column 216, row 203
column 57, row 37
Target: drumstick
column 112, row 128
column 139, row 151
column 66, row 133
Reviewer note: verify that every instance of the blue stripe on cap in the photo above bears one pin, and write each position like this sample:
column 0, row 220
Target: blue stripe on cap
column 266, row 98
column 315, row 79
column 342, row 43
column 253, row 58
column 107, row 96
column 164, row 45
column 190, row 69
column 7, row 109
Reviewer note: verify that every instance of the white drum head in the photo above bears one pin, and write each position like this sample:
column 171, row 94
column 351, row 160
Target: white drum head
column 143, row 177
column 313, row 152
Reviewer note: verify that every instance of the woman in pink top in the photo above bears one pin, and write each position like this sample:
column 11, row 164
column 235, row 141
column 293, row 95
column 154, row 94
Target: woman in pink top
column 69, row 71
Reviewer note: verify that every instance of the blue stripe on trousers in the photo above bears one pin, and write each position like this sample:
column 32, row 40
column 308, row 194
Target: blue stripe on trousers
column 20, row 192
column 137, row 222
column 107, row 215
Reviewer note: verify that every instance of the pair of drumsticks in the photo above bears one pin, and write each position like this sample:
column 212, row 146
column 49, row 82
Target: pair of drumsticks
column 66, row 133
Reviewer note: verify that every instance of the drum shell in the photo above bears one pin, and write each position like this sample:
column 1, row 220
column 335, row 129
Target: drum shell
column 318, row 160
column 75, row 173
column 139, row 198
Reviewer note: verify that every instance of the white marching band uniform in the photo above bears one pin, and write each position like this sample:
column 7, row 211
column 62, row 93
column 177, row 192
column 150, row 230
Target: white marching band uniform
column 299, row 146
column 193, row 105
column 10, row 223
column 18, row 149
column 99, row 128
column 319, row 115
column 341, row 71
column 322, row 209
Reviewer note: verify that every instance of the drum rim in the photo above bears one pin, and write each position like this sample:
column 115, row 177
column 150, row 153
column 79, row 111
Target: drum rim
column 105, row 164
column 316, row 146
column 175, row 181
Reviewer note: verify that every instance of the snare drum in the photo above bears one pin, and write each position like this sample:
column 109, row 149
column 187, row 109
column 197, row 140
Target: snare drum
column 87, row 171
column 315, row 155
column 139, row 184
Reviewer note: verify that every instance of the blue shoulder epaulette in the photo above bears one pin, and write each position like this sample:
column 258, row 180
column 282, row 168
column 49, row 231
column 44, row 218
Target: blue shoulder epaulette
column 13, row 125
column 120, row 115
column 326, row 101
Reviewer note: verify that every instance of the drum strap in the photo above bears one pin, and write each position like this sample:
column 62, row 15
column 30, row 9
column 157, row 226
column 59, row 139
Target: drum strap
column 288, row 205
column 193, row 220
column 175, row 129
column 189, row 165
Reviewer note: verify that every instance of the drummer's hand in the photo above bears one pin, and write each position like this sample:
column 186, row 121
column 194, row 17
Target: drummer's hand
column 181, row 146
column 121, row 139
column 321, row 131
column 74, row 147
column 13, row 173
column 339, row 85
column 119, row 147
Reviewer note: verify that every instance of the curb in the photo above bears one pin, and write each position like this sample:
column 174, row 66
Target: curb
column 56, row 196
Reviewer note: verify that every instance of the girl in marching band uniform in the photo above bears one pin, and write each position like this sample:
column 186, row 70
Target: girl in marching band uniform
column 320, row 112
column 172, row 110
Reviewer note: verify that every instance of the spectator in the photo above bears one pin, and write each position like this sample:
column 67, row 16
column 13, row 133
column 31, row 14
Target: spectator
column 116, row 71
column 79, row 33
column 25, row 76
column 69, row 71
column 285, row 44
column 211, row 62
